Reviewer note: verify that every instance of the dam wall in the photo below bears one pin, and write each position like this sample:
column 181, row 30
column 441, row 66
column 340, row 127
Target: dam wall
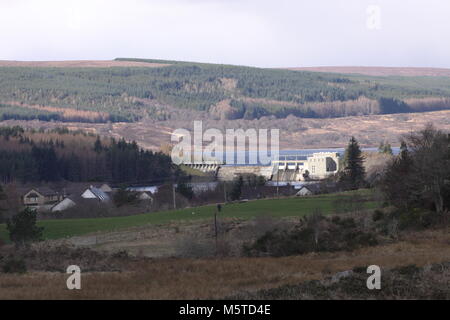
column 228, row 173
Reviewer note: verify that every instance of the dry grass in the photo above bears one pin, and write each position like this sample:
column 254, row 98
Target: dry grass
column 66, row 113
column 218, row 278
column 80, row 64
column 382, row 71
column 295, row 133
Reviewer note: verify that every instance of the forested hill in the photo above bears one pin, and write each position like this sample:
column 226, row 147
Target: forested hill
column 130, row 93
column 60, row 154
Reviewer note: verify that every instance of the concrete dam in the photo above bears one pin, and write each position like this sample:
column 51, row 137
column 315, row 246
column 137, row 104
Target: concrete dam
column 286, row 168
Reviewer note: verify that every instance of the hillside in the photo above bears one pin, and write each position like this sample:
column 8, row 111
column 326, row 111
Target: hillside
column 79, row 64
column 381, row 71
column 60, row 154
column 129, row 90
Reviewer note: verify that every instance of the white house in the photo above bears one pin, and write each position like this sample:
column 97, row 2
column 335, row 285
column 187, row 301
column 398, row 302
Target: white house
column 106, row 188
column 145, row 196
column 95, row 193
column 304, row 191
column 64, row 204
column 309, row 189
column 151, row 189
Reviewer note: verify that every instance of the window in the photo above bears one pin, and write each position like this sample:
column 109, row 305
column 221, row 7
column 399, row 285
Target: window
column 32, row 198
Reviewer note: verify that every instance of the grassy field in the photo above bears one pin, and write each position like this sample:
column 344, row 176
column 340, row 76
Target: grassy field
column 286, row 207
column 208, row 278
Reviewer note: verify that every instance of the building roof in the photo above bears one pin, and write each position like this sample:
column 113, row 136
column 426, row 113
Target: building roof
column 78, row 199
column 151, row 189
column 145, row 195
column 45, row 191
column 100, row 194
column 312, row 187
column 73, row 188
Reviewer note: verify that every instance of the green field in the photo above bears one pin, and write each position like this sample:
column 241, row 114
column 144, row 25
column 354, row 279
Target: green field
column 286, row 207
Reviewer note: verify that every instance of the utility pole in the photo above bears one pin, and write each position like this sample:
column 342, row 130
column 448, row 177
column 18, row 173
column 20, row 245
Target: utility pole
column 173, row 192
column 219, row 209
column 225, row 191
column 215, row 228
column 278, row 179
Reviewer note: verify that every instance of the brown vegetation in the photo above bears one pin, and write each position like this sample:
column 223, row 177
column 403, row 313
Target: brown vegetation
column 295, row 133
column 382, row 71
column 219, row 278
column 68, row 114
column 80, row 64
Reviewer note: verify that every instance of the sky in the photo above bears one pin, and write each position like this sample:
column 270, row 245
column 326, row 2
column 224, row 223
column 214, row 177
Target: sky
column 281, row 33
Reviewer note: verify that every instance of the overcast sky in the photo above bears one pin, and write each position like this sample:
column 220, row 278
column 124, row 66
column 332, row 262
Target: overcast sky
column 281, row 33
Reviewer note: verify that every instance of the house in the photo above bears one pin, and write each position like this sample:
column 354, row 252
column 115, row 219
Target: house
column 95, row 193
column 106, row 188
column 200, row 187
column 145, row 196
column 309, row 189
column 43, row 196
column 76, row 200
column 150, row 189
column 304, row 191
column 64, row 204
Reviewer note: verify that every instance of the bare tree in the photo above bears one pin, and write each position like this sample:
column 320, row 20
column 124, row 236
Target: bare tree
column 431, row 164
column 419, row 176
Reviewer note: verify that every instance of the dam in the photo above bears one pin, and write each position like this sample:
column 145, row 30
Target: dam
column 284, row 168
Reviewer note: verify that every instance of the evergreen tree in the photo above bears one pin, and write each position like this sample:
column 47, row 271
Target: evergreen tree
column 98, row 145
column 399, row 169
column 23, row 229
column 185, row 190
column 354, row 173
column 385, row 148
column 236, row 190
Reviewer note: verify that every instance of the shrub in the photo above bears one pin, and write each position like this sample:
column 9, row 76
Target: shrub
column 122, row 254
column 323, row 235
column 346, row 223
column 359, row 269
column 12, row 265
column 415, row 219
column 23, row 229
column 409, row 270
column 377, row 215
column 124, row 197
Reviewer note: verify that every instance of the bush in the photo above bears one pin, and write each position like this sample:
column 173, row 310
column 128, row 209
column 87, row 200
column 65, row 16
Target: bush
column 414, row 219
column 23, row 229
column 282, row 243
column 409, row 270
column 14, row 266
column 377, row 215
column 359, row 269
column 329, row 235
column 122, row 254
column 124, row 197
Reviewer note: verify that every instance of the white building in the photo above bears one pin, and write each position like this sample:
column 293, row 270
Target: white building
column 64, row 204
column 95, row 193
column 317, row 166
